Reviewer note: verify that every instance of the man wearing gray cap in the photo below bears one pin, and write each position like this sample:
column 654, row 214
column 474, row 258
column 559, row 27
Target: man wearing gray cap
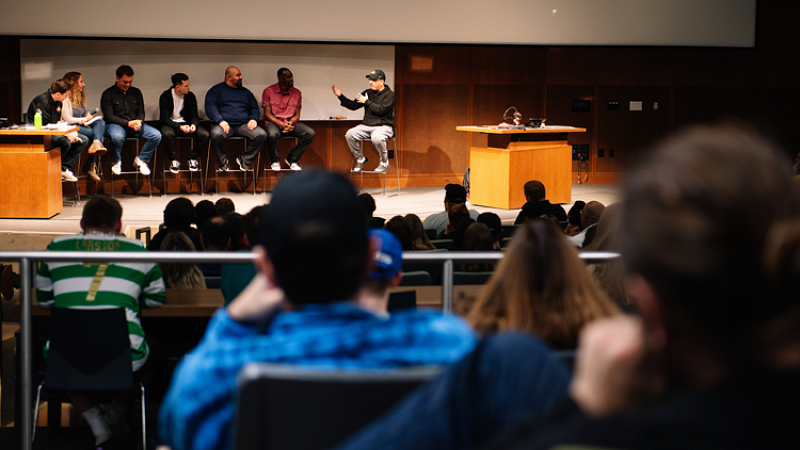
column 378, row 123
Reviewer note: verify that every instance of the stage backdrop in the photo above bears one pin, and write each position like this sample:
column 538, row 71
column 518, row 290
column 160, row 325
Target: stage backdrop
column 316, row 67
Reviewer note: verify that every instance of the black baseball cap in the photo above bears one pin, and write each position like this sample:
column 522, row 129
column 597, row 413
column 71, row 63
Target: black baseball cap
column 455, row 193
column 377, row 75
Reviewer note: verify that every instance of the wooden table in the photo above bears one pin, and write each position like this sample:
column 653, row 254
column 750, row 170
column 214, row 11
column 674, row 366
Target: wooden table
column 499, row 171
column 30, row 184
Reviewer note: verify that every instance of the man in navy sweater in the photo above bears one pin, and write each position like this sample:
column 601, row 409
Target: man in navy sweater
column 233, row 111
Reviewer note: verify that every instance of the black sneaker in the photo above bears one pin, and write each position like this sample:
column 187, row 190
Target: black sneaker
column 223, row 168
column 242, row 165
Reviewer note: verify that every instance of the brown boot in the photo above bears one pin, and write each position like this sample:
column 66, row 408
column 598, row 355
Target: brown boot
column 92, row 172
column 97, row 149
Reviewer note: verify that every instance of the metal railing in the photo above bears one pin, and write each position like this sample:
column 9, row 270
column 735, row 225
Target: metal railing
column 27, row 270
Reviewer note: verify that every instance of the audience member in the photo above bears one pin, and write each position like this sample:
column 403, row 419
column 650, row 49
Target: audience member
column 610, row 275
column 123, row 110
column 574, row 218
column 369, row 208
column 455, row 194
column 590, row 214
column 203, row 210
column 224, row 206
column 316, row 250
column 179, row 215
column 282, row 103
column 49, row 105
column 384, row 273
column 477, row 238
column 540, row 287
column 233, row 111
column 710, row 364
column 179, row 118
column 402, row 230
column 215, row 236
column 458, row 233
column 492, row 221
column 181, row 275
column 236, row 277
column 129, row 285
column 536, row 204
column 91, row 125
column 418, row 236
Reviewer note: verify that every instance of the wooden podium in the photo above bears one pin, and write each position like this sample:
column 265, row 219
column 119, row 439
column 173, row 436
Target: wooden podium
column 30, row 174
column 514, row 157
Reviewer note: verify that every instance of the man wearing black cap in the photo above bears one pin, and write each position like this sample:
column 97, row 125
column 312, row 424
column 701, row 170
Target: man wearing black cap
column 378, row 123
column 301, row 309
column 455, row 194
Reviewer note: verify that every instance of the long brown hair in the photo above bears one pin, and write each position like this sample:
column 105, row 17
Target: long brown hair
column 610, row 275
column 421, row 241
column 76, row 95
column 541, row 287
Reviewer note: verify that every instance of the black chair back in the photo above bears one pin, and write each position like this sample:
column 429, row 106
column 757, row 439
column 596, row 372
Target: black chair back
column 90, row 351
column 442, row 243
column 462, row 278
column 402, row 300
column 509, row 230
column 431, row 234
column 416, row 278
column 293, row 407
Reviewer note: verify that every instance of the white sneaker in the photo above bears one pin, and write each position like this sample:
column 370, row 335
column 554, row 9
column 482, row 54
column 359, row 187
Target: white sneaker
column 116, row 168
column 142, row 166
column 360, row 163
column 175, row 166
column 276, row 166
column 67, row 175
column 382, row 167
column 293, row 166
column 194, row 166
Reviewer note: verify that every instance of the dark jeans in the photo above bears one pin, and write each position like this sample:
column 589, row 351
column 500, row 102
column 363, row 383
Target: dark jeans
column 257, row 138
column 70, row 152
column 303, row 132
column 168, row 135
column 509, row 377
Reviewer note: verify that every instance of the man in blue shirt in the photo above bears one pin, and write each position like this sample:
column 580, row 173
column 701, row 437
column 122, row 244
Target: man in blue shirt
column 233, row 111
column 300, row 309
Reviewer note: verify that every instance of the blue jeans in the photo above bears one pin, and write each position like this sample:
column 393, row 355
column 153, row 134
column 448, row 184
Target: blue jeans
column 509, row 377
column 96, row 133
column 70, row 152
column 118, row 133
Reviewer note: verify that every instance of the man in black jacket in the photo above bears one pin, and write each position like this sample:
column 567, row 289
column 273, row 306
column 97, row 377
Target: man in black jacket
column 378, row 123
column 537, row 204
column 178, row 108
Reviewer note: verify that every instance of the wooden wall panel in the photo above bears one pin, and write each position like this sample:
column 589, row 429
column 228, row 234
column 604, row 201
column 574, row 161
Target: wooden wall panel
column 773, row 110
column 435, row 64
column 431, row 144
column 712, row 67
column 489, row 102
column 635, row 66
column 626, row 131
column 571, row 65
column 493, row 65
column 709, row 104
column 559, row 112
column 777, row 60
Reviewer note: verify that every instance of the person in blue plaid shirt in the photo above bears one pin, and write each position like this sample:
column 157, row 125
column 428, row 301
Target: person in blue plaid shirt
column 301, row 309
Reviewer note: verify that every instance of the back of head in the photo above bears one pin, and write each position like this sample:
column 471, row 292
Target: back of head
column 59, row 86
column 697, row 212
column 457, row 212
column 368, row 203
column 179, row 213
column 177, row 242
column 203, row 211
column 591, row 213
column 419, row 237
column 251, row 225
column 315, row 234
column 399, row 227
column 459, row 233
column 540, row 287
column 610, row 275
column 216, row 233
column 494, row 223
column 101, row 212
column 455, row 194
column 534, row 191
column 224, row 206
column 181, row 275
column 477, row 237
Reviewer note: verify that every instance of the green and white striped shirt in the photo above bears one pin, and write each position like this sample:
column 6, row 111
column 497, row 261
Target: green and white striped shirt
column 103, row 285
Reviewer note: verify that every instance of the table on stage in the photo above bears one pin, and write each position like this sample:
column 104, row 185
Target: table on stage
column 31, row 174
column 513, row 157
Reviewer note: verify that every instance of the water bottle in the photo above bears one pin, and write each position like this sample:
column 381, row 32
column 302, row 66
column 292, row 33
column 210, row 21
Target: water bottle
column 37, row 120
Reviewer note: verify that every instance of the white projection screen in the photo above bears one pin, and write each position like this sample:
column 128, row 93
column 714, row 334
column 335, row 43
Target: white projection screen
column 712, row 23
column 316, row 67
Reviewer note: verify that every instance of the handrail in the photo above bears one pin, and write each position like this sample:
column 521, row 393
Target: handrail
column 27, row 269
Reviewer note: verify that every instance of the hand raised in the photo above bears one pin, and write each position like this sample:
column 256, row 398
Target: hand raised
column 336, row 91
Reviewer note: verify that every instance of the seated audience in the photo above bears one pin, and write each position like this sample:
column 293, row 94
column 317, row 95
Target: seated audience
column 492, row 221
column 418, row 236
column 316, row 249
column 709, row 364
column 127, row 285
column 398, row 226
column 179, row 215
column 590, row 214
column 224, row 206
column 74, row 112
column 458, row 233
column 181, row 275
column 574, row 218
column 215, row 237
column 455, row 215
column 610, row 275
column 204, row 210
column 536, row 204
column 236, row 277
column 477, row 238
column 455, row 194
column 540, row 287
column 368, row 202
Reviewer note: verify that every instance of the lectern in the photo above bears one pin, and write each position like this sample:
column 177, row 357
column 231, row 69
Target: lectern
column 513, row 157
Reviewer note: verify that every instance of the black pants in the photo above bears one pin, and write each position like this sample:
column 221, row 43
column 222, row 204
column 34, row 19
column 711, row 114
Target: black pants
column 168, row 135
column 303, row 132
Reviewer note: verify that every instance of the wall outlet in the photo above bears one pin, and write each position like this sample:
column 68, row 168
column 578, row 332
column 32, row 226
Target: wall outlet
column 611, row 153
column 600, row 153
column 391, row 154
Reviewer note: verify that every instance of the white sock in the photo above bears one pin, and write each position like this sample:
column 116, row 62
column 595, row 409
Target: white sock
column 99, row 427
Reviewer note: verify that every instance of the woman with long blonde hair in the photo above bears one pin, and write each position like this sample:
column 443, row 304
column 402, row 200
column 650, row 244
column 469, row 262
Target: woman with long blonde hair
column 540, row 287
column 73, row 111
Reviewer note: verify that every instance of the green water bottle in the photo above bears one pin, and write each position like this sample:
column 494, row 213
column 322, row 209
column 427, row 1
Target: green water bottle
column 37, row 120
